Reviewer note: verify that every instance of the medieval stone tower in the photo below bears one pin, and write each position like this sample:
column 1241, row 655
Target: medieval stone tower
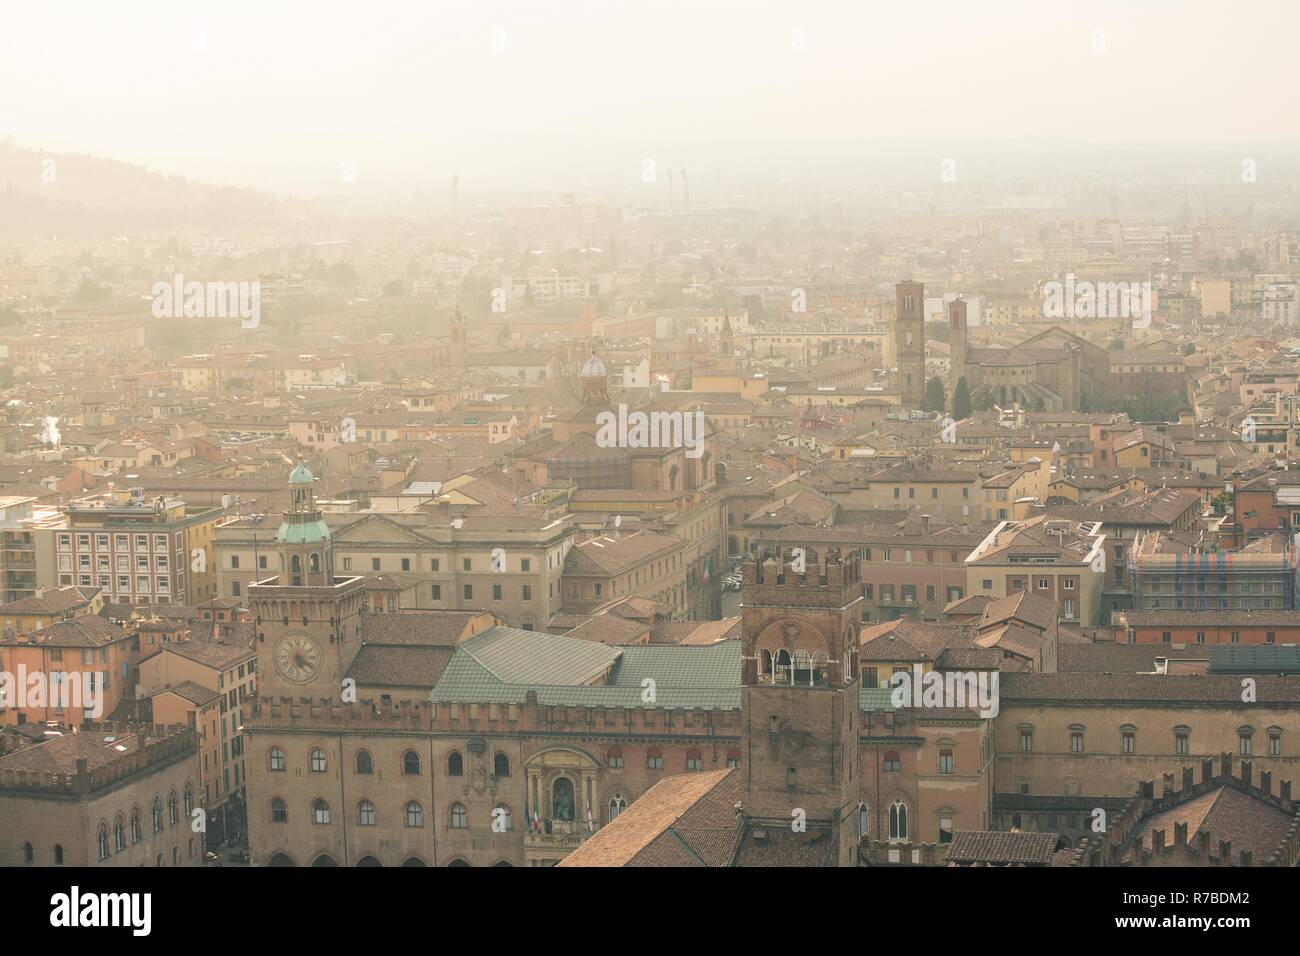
column 957, row 344
column 456, row 343
column 909, row 341
column 799, row 693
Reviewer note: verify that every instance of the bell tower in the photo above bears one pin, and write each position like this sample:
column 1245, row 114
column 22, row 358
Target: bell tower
column 308, row 621
column 800, row 681
column 909, row 341
column 957, row 344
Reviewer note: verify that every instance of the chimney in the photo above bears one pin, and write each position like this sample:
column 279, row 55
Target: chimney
column 1180, row 834
column 1187, row 778
column 1286, row 790
column 1207, row 769
column 1157, row 839
column 1266, row 781
column 1225, row 763
column 925, row 526
column 1246, row 772
column 1225, row 851
column 1246, row 857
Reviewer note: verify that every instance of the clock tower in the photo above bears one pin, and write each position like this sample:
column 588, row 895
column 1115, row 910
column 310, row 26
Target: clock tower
column 308, row 620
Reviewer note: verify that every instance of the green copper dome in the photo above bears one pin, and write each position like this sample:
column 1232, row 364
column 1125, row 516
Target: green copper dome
column 301, row 476
column 302, row 532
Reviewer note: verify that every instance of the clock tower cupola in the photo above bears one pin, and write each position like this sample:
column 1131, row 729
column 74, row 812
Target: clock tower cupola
column 308, row 620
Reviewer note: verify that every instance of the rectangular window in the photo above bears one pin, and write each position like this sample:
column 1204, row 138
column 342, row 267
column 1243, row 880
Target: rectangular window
column 469, row 592
column 435, row 592
column 496, row 592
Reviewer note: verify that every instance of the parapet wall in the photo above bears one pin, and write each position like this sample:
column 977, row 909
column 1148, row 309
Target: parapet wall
column 164, row 746
column 529, row 717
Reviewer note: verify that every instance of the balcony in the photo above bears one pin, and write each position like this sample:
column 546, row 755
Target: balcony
column 541, row 847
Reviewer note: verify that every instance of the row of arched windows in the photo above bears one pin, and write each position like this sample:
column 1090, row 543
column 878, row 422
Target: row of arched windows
column 133, row 827
column 364, row 762
column 412, row 814
column 654, row 758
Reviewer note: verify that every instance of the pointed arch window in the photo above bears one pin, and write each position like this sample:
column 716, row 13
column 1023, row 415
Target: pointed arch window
column 898, row 821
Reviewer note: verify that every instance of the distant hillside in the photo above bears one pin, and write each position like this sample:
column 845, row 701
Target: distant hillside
column 93, row 197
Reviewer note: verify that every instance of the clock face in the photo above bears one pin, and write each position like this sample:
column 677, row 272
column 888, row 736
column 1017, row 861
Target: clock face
column 297, row 658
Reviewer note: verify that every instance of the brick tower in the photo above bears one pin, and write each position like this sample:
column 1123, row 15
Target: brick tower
column 957, row 343
column 909, row 341
column 799, row 694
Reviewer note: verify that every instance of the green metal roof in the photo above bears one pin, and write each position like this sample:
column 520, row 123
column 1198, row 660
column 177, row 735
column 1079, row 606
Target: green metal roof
column 1254, row 658
column 875, row 698
column 671, row 665
column 502, row 664
column 300, row 475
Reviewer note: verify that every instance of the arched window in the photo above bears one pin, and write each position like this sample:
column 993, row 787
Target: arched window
column 411, row 764
column 173, row 811
column 765, row 666
column 320, row 812
column 802, row 668
column 414, row 814
column 318, row 761
column 101, row 841
column 617, row 805
column 733, row 759
column 893, row 762
column 157, row 813
column 500, row 818
column 29, row 853
column 898, row 820
column 279, row 811
column 275, row 760
column 365, row 763
column 501, row 765
column 455, row 764
column 694, row 760
column 58, row 853
column 295, row 564
column 614, row 757
column 781, row 673
column 366, row 814
column 119, row 836
column 459, row 819
column 864, row 820
column 314, row 562
column 821, row 666
column 654, row 758
column 189, row 800
column 136, row 834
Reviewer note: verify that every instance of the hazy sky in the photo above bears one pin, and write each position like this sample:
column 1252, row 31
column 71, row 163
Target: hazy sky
column 567, row 92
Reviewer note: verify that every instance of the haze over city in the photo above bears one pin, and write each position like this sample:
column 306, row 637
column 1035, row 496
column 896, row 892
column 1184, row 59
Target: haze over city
column 710, row 435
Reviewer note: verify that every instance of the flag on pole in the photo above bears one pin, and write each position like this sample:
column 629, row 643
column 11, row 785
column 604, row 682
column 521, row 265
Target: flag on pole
column 591, row 828
column 528, row 817
column 537, row 820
